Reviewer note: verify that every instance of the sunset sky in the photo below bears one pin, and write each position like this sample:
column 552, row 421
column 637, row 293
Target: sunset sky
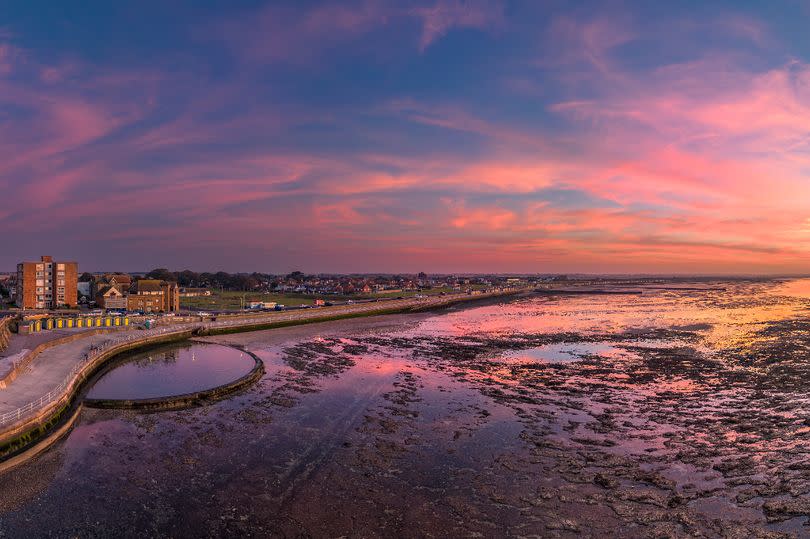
column 407, row 135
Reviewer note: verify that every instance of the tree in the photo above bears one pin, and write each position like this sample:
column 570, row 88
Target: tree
column 188, row 278
column 161, row 274
column 86, row 278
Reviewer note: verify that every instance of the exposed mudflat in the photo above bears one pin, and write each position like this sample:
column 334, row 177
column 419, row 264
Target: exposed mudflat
column 667, row 414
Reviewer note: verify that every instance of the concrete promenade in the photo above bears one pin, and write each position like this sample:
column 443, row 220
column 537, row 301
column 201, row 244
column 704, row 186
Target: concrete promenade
column 50, row 379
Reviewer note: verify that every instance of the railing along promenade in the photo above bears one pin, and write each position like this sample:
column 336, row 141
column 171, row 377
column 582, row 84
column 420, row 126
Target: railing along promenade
column 62, row 393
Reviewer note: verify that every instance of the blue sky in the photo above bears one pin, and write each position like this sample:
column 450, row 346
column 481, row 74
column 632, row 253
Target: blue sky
column 436, row 135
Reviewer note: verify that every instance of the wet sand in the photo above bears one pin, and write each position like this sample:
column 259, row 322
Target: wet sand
column 676, row 413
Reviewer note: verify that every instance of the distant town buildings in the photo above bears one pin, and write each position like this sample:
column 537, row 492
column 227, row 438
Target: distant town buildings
column 46, row 284
column 50, row 284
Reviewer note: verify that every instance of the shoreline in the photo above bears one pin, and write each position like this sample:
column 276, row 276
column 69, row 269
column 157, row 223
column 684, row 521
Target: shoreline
column 25, row 437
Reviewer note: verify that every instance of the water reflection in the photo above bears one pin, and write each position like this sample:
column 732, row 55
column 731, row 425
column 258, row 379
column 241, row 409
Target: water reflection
column 726, row 315
column 567, row 352
column 173, row 370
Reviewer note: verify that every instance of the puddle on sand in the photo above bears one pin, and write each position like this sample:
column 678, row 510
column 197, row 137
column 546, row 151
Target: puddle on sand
column 567, row 352
column 175, row 370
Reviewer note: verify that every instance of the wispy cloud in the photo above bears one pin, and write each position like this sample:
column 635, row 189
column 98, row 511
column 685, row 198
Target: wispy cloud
column 445, row 15
column 600, row 142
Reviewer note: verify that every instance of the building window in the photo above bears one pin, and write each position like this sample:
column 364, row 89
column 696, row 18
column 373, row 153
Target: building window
column 60, row 267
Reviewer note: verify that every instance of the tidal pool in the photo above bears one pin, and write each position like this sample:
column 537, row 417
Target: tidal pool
column 173, row 370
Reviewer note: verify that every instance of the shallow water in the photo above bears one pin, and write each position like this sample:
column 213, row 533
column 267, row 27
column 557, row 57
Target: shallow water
column 173, row 370
column 565, row 352
column 672, row 413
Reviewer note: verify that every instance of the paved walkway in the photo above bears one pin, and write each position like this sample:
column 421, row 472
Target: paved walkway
column 22, row 344
column 46, row 372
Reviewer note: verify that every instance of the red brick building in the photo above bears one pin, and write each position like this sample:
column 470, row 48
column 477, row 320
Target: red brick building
column 47, row 284
column 152, row 295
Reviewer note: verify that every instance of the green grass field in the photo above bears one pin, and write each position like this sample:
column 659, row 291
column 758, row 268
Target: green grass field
column 227, row 301
column 231, row 301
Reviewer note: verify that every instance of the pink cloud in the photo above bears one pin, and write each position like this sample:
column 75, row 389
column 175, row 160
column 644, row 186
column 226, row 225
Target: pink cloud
column 699, row 165
column 574, row 42
column 281, row 34
column 445, row 15
column 302, row 35
column 7, row 58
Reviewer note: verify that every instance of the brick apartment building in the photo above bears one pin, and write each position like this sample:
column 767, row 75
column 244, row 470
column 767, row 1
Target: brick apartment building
column 47, row 284
column 152, row 295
